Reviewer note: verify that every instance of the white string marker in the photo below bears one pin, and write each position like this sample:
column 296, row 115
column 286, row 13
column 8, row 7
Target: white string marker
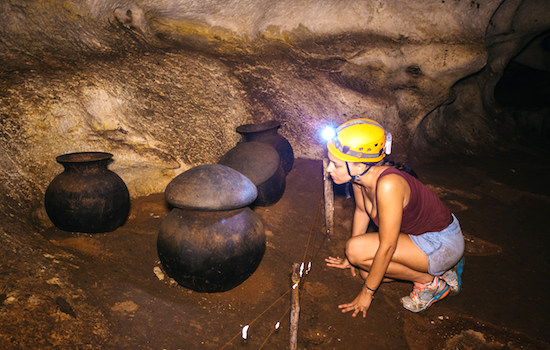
column 245, row 332
column 301, row 269
column 308, row 267
column 277, row 325
column 294, row 285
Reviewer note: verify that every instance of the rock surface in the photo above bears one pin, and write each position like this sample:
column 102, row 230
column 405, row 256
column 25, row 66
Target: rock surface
column 162, row 84
column 63, row 290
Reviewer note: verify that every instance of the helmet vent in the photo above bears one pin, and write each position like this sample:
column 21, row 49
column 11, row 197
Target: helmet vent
column 345, row 149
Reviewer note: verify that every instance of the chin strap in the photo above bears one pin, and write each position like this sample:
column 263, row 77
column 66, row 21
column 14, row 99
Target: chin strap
column 354, row 178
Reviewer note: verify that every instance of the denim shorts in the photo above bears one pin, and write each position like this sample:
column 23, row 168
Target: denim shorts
column 443, row 248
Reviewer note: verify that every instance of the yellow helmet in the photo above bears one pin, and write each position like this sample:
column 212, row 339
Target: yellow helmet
column 360, row 140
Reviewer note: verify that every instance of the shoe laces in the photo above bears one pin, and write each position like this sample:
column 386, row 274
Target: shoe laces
column 417, row 289
column 449, row 275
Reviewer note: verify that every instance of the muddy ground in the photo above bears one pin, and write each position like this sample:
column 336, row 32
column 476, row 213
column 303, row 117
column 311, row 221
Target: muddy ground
column 112, row 293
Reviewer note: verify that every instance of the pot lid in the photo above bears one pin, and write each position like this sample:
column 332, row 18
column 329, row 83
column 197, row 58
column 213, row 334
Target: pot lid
column 210, row 187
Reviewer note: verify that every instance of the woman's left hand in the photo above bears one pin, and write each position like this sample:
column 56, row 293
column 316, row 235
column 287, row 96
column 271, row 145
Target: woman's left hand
column 341, row 263
column 360, row 304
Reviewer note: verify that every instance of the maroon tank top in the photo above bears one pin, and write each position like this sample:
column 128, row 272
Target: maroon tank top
column 425, row 212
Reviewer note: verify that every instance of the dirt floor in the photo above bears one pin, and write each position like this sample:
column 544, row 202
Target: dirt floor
column 500, row 203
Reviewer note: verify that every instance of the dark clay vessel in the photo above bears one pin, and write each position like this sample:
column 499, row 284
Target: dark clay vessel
column 86, row 196
column 261, row 163
column 211, row 251
column 267, row 132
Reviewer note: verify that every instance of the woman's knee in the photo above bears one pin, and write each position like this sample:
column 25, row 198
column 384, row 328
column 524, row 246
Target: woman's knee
column 357, row 251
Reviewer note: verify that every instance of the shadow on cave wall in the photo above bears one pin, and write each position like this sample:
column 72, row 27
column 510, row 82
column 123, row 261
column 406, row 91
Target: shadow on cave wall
column 513, row 93
column 524, row 89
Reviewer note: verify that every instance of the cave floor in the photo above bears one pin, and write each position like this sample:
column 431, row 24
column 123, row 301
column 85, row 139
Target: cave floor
column 500, row 204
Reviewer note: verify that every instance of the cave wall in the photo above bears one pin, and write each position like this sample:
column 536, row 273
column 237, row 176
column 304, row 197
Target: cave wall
column 163, row 84
column 474, row 122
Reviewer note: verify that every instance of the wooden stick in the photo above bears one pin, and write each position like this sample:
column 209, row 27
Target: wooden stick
column 329, row 199
column 295, row 306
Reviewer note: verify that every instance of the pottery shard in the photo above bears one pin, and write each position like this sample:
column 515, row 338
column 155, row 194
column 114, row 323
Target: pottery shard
column 210, row 187
column 255, row 160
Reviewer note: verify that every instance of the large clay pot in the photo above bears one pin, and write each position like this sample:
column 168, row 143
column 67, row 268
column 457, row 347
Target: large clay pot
column 261, row 163
column 211, row 251
column 86, row 196
column 211, row 241
column 267, row 132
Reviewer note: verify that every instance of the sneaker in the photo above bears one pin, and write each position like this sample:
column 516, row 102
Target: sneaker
column 424, row 295
column 453, row 277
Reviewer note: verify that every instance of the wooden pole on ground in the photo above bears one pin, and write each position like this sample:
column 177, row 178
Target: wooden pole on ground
column 329, row 199
column 295, row 306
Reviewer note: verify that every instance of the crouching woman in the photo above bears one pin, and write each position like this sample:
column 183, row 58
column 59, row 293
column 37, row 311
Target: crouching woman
column 418, row 238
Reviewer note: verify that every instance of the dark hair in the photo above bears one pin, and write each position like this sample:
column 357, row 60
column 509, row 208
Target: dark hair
column 397, row 166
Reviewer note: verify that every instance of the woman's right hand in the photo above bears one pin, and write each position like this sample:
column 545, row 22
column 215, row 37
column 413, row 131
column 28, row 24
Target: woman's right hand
column 340, row 263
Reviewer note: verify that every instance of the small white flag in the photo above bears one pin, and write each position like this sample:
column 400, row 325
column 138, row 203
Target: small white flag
column 245, row 332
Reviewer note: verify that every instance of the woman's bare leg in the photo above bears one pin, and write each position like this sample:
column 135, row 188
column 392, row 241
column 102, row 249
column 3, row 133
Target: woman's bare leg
column 364, row 274
column 408, row 262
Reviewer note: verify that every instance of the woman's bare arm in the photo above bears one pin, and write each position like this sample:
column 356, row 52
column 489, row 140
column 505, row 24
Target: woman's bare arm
column 390, row 194
column 390, row 198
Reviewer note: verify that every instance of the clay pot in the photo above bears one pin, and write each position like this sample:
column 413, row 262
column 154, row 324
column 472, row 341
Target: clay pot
column 267, row 132
column 261, row 163
column 86, row 196
column 211, row 251
column 211, row 241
